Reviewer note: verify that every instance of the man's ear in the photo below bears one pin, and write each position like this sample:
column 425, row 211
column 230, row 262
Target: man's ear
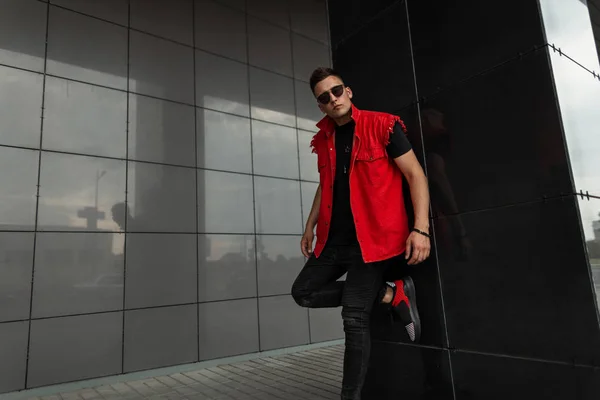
column 349, row 92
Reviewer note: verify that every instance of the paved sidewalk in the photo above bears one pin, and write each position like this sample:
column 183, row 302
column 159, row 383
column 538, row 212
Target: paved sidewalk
column 311, row 375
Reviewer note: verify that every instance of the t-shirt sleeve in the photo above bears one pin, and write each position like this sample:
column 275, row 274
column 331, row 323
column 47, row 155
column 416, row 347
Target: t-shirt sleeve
column 399, row 144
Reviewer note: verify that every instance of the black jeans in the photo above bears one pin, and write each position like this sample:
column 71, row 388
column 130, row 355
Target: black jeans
column 317, row 287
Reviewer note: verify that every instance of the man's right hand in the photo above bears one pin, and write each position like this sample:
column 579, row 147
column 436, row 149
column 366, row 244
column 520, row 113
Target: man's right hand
column 306, row 243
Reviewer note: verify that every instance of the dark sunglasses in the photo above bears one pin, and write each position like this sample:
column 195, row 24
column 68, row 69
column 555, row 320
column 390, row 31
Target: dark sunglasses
column 325, row 98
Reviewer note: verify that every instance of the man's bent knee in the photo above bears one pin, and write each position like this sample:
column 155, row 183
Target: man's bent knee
column 301, row 296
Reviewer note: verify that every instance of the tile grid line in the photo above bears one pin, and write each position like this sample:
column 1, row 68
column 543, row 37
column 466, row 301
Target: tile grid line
column 196, row 181
column 154, row 163
column 142, row 308
column 249, row 77
column 153, row 96
column 432, row 221
column 182, row 233
column 126, row 218
column 259, row 18
column 295, row 97
column 37, row 202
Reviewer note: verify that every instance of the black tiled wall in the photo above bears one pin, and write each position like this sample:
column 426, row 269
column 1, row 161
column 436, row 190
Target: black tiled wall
column 507, row 299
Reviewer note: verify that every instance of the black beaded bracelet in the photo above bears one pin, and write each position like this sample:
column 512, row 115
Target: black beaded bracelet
column 422, row 233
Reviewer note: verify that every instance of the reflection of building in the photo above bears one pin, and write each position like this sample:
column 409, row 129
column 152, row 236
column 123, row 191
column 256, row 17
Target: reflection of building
column 72, row 271
column 594, row 253
column 594, row 246
column 89, row 253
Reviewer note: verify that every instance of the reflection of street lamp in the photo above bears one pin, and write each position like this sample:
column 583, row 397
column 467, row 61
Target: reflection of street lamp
column 91, row 214
column 98, row 176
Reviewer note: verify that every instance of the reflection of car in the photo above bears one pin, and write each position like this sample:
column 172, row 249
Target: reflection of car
column 103, row 281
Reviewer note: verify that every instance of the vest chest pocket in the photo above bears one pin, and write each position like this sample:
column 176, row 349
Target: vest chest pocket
column 371, row 164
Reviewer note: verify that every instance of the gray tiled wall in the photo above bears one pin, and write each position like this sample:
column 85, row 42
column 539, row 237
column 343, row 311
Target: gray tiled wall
column 154, row 178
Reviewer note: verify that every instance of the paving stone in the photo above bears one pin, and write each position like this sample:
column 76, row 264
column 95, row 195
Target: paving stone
column 53, row 397
column 170, row 382
column 157, row 386
column 183, row 379
column 70, row 396
column 89, row 394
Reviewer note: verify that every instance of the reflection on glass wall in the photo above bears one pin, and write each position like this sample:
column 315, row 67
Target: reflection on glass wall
column 20, row 107
column 278, row 263
column 77, row 192
column 575, row 65
column 16, row 257
column 77, row 273
column 128, row 205
column 590, row 218
column 574, row 60
column 18, row 180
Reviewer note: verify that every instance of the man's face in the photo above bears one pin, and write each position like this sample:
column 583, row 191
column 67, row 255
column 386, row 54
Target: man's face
column 333, row 97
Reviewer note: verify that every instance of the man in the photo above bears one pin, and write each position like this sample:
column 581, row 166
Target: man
column 120, row 212
column 361, row 221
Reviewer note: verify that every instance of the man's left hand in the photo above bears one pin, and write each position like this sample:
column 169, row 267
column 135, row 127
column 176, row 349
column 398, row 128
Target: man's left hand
column 418, row 247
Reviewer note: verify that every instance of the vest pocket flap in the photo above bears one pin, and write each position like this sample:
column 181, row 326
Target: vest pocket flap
column 370, row 154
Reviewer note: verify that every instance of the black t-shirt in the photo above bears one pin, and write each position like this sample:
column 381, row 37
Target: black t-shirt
column 342, row 231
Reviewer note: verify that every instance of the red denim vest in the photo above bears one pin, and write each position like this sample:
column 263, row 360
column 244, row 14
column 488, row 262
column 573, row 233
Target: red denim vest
column 376, row 196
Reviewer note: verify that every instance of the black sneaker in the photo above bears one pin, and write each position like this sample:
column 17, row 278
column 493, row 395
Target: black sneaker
column 404, row 304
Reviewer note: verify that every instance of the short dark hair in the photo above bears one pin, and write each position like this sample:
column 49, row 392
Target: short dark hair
column 321, row 73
